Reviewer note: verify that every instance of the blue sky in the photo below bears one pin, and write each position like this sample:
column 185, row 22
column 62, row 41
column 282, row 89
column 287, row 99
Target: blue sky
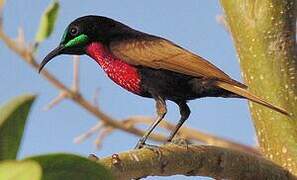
column 192, row 25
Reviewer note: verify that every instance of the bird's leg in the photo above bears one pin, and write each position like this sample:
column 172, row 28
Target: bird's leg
column 184, row 114
column 161, row 111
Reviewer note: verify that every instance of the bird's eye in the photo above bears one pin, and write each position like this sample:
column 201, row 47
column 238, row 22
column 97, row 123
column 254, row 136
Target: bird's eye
column 74, row 31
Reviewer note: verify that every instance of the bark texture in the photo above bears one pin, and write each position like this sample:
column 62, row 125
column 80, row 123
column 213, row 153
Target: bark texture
column 193, row 160
column 264, row 33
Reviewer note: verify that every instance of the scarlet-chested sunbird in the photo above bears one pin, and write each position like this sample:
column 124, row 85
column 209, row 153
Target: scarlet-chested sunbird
column 150, row 66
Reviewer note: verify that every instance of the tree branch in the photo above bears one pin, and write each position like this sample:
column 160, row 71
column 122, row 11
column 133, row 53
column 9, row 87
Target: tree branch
column 193, row 160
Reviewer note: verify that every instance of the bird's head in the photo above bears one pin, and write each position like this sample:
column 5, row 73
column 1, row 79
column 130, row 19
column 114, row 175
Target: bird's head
column 85, row 30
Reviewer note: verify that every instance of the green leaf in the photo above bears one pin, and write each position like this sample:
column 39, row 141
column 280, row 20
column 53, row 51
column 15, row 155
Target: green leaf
column 20, row 170
column 13, row 117
column 47, row 21
column 66, row 166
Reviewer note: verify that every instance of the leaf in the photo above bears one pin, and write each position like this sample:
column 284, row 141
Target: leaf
column 67, row 166
column 47, row 21
column 22, row 170
column 13, row 117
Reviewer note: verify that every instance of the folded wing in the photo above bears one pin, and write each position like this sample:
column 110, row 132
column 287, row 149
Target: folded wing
column 159, row 53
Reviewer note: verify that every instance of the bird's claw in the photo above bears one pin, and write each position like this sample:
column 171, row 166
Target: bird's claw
column 151, row 147
column 139, row 145
column 180, row 142
column 156, row 149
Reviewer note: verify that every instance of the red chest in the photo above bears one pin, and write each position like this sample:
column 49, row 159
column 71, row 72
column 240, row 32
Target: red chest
column 119, row 71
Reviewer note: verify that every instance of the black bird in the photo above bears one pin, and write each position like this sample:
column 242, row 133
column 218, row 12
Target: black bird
column 150, row 66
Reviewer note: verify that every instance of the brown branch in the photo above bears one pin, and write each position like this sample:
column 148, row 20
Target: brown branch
column 95, row 97
column 193, row 160
column 1, row 12
column 61, row 96
column 102, row 135
column 79, row 139
column 27, row 55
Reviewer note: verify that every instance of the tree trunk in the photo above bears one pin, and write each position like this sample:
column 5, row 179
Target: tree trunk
column 264, row 33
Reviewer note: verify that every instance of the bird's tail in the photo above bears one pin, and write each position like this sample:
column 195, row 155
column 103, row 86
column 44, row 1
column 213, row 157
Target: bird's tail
column 246, row 94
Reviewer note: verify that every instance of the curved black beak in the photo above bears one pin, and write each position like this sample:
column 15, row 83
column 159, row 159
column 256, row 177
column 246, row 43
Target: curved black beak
column 57, row 51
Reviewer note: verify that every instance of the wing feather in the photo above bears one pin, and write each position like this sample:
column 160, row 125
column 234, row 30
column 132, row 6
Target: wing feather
column 160, row 53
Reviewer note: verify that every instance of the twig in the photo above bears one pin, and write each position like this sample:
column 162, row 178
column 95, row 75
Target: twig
column 102, row 135
column 193, row 160
column 55, row 101
column 20, row 40
column 75, row 84
column 95, row 98
column 26, row 54
column 2, row 2
column 222, row 21
column 89, row 133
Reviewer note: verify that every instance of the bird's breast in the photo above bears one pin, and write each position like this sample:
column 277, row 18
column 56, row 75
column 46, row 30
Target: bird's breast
column 122, row 73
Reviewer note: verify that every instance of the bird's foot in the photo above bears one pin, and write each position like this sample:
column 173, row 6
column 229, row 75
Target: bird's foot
column 139, row 145
column 151, row 147
column 156, row 149
column 180, row 142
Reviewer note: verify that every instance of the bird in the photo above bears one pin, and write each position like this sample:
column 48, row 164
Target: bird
column 150, row 66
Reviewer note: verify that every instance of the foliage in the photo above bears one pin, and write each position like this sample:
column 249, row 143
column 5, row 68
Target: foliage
column 49, row 167
column 23, row 170
column 47, row 22
column 12, row 122
column 66, row 166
